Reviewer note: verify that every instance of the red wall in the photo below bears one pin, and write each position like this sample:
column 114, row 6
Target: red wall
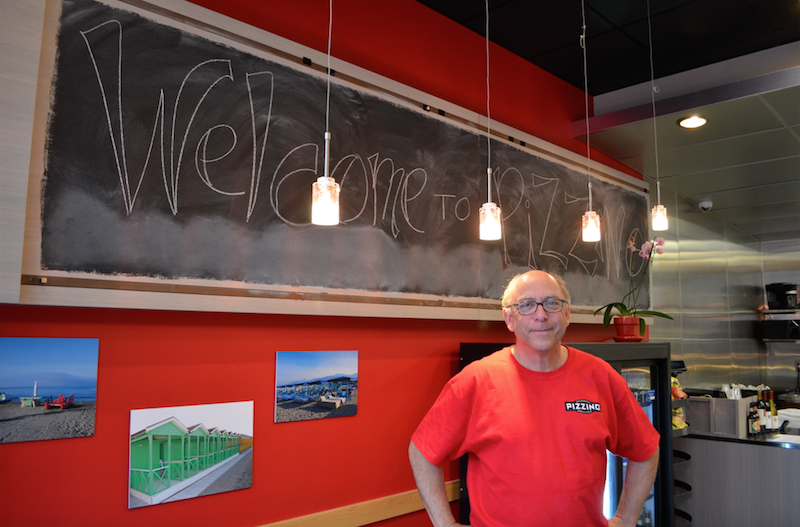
column 410, row 43
column 151, row 358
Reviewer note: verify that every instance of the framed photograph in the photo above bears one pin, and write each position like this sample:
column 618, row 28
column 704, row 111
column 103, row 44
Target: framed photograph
column 48, row 388
column 315, row 385
column 183, row 452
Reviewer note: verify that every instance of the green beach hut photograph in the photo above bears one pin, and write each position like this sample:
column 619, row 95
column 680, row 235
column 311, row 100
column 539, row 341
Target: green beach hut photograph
column 183, row 452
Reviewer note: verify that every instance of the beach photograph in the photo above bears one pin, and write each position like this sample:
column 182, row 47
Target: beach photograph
column 48, row 388
column 183, row 452
column 315, row 385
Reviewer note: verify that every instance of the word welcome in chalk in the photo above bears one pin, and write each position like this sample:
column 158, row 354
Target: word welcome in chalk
column 168, row 148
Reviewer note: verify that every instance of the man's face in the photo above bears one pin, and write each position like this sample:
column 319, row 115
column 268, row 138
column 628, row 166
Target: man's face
column 540, row 330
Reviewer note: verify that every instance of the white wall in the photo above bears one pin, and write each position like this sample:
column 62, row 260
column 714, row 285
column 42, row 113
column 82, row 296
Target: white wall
column 21, row 26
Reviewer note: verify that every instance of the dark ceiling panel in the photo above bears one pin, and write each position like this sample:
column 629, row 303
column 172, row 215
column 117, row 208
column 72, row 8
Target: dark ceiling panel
column 531, row 35
column 687, row 34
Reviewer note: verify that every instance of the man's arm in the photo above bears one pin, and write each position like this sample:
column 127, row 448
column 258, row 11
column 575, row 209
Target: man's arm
column 430, row 483
column 639, row 478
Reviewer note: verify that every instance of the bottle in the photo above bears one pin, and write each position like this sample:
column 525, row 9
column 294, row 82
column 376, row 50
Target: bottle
column 773, row 410
column 752, row 419
column 762, row 413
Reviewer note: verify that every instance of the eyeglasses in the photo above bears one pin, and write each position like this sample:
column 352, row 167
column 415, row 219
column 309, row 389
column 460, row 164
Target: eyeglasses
column 528, row 307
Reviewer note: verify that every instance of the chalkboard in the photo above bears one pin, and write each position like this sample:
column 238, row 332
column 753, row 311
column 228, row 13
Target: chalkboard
column 176, row 157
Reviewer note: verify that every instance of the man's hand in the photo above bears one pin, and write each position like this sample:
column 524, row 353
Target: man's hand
column 616, row 522
column 639, row 478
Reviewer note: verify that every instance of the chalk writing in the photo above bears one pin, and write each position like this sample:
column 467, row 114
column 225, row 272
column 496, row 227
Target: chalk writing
column 211, row 153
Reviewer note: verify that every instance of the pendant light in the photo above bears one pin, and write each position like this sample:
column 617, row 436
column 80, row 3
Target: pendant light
column 590, row 222
column 325, row 190
column 490, row 218
column 660, row 222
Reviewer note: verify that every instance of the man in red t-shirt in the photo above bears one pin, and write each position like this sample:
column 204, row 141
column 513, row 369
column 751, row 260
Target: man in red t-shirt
column 536, row 419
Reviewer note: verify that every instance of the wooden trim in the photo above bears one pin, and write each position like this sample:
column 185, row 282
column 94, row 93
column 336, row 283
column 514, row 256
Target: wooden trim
column 256, row 291
column 367, row 512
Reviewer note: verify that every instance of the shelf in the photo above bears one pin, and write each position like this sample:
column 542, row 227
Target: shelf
column 779, row 329
column 682, row 519
column 682, row 490
column 679, row 403
column 681, row 459
column 773, row 314
column 680, row 433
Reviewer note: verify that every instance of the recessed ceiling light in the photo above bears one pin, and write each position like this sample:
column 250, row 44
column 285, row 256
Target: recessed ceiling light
column 694, row 121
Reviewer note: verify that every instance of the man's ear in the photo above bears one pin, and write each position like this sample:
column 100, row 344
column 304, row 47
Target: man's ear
column 508, row 316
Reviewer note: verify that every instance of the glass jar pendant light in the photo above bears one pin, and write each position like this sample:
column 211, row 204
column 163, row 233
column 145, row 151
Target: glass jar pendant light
column 325, row 201
column 659, row 219
column 325, row 194
column 325, row 190
column 590, row 226
column 491, row 223
column 590, row 221
column 490, row 216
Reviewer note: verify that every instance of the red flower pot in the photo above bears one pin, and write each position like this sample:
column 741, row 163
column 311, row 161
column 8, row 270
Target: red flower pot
column 627, row 329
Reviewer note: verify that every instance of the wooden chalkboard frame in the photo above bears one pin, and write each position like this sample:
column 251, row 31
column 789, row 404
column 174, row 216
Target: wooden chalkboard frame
column 87, row 289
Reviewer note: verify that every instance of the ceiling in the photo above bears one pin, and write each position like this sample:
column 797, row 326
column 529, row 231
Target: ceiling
column 736, row 62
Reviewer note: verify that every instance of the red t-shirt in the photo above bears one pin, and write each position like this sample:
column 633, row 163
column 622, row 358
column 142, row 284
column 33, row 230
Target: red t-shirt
column 536, row 441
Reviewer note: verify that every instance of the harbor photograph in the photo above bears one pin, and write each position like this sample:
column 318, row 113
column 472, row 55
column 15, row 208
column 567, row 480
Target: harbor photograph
column 48, row 388
column 315, row 385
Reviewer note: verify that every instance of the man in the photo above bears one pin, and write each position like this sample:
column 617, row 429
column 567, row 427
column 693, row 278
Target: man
column 536, row 419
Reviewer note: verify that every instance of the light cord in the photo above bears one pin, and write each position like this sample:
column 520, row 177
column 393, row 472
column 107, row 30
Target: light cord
column 488, row 112
column 328, row 95
column 328, row 99
column 653, row 91
column 586, row 102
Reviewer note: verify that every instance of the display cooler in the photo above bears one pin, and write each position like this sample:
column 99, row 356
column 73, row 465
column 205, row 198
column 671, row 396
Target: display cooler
column 646, row 368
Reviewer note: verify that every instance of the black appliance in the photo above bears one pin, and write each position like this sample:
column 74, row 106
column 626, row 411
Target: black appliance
column 781, row 296
column 647, row 367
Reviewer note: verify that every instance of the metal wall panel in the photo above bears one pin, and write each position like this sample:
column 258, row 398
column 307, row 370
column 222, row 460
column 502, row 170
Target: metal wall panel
column 711, row 280
column 748, row 362
column 665, row 285
column 703, row 276
column 745, row 282
column 708, row 362
column 780, row 370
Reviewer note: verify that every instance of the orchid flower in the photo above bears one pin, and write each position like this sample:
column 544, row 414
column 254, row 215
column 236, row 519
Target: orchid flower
column 628, row 306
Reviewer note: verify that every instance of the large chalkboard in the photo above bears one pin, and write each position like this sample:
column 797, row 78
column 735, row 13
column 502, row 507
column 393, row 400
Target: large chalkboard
column 173, row 156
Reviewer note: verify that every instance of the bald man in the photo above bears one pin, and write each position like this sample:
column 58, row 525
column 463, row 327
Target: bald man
column 536, row 419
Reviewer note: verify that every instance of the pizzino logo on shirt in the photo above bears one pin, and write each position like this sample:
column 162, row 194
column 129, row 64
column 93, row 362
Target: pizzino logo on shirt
column 582, row 406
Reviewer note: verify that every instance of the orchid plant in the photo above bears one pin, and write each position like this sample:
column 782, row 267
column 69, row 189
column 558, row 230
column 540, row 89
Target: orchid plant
column 628, row 306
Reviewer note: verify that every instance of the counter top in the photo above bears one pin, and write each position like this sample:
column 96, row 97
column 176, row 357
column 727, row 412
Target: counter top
column 791, row 439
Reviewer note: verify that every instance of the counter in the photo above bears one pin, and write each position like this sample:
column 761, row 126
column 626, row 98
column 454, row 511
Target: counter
column 791, row 439
column 740, row 482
